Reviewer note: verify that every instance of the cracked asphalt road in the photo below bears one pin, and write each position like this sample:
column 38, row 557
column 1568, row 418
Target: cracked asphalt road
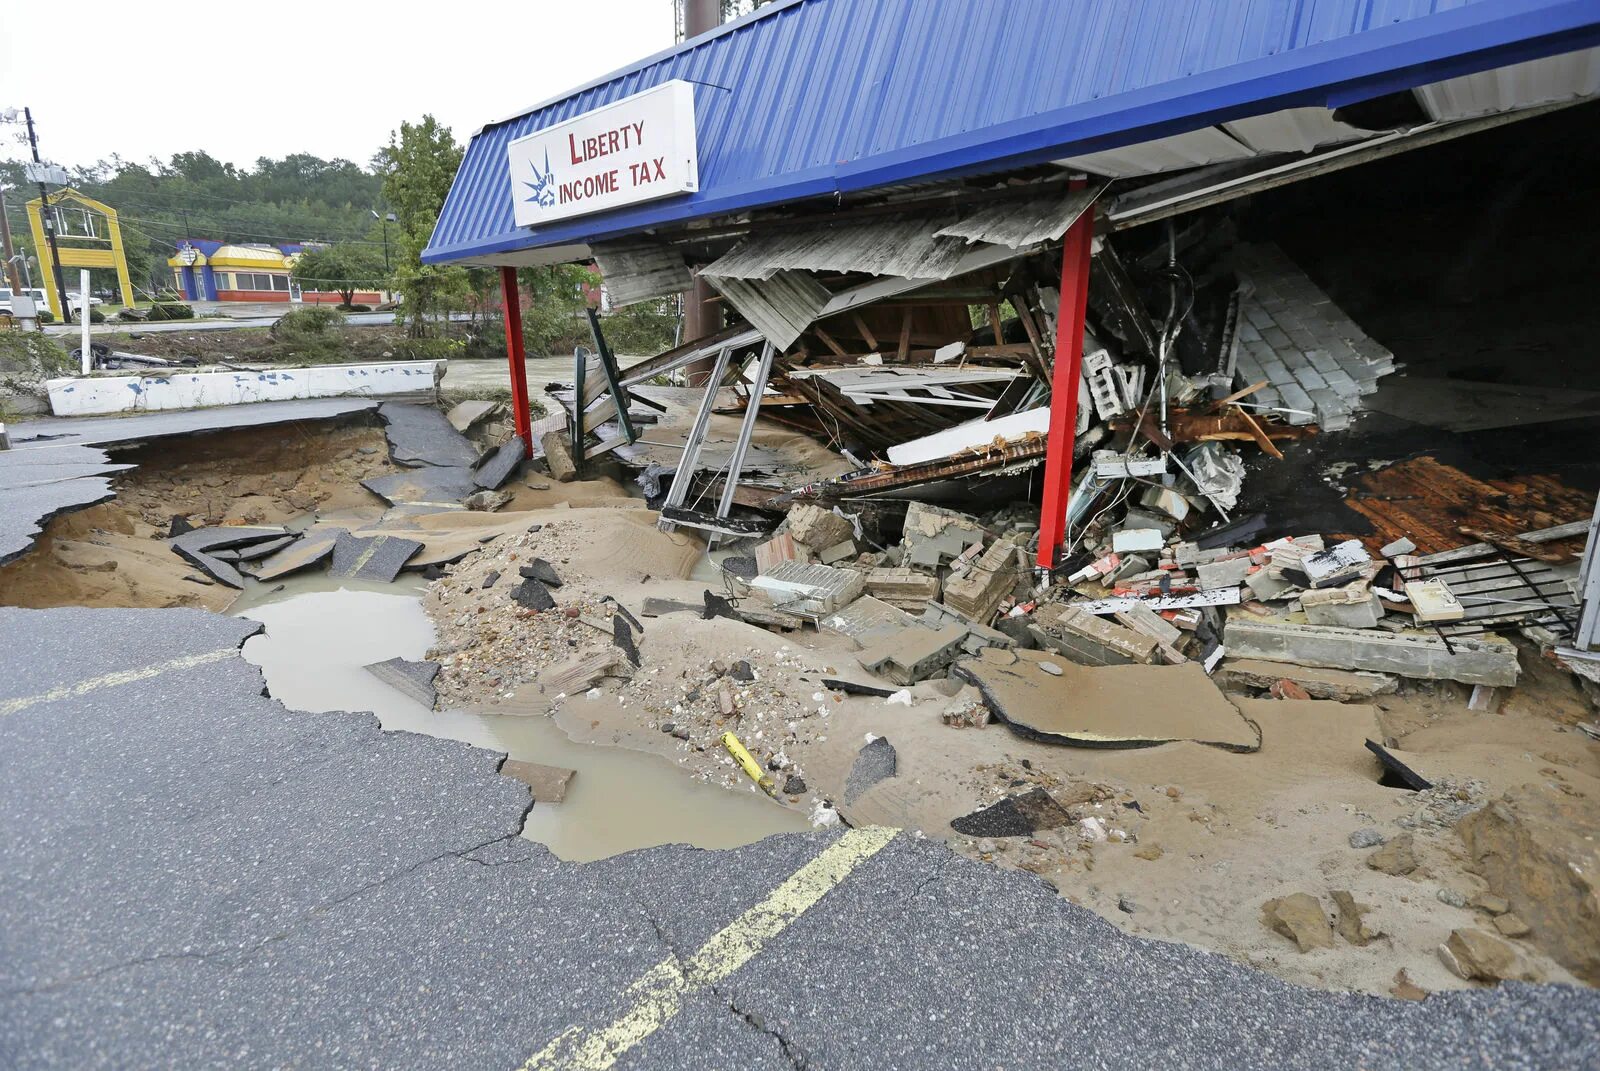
column 192, row 875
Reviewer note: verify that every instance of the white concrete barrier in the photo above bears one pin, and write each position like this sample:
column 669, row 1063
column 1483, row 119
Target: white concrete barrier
column 193, row 390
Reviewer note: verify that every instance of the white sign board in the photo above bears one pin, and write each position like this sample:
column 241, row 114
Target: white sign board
column 641, row 148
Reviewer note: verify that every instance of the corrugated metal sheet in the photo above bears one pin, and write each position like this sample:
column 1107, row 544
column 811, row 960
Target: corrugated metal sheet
column 1019, row 224
column 1521, row 85
column 780, row 307
column 1207, row 145
column 814, row 97
column 635, row 270
column 1293, row 130
column 906, row 246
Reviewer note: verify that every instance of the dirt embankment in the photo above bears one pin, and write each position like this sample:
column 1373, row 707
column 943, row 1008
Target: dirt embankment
column 115, row 554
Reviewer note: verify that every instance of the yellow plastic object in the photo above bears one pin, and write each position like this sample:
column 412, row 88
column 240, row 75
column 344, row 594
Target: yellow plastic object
column 748, row 763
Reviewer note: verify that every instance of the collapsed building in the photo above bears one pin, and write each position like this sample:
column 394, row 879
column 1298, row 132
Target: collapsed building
column 987, row 289
column 1218, row 379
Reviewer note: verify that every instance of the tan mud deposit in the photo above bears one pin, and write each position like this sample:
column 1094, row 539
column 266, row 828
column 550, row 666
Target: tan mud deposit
column 115, row 554
column 1187, row 840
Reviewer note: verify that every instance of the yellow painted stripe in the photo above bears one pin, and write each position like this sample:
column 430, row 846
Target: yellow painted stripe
column 366, row 555
column 660, row 992
column 111, row 680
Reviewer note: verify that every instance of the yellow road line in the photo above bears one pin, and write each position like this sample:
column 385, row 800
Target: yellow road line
column 659, row 993
column 366, row 555
column 111, row 680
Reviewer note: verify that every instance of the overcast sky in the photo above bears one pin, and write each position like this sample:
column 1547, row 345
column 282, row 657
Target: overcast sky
column 245, row 80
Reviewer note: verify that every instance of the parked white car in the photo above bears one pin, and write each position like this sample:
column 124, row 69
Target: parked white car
column 42, row 302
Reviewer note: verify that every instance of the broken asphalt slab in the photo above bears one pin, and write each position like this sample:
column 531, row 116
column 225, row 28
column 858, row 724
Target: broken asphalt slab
column 282, row 884
column 496, row 467
column 1107, row 706
column 412, row 679
column 198, row 547
column 875, row 762
column 314, row 545
column 36, row 486
column 1014, row 816
column 421, row 435
column 379, row 558
column 428, row 487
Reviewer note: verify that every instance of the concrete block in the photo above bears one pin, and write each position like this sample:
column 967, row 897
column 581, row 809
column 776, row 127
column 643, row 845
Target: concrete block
column 1295, row 398
column 1228, row 573
column 1310, row 379
column 1090, row 640
column 1487, row 660
column 1266, row 586
column 817, row 527
column 913, row 655
column 1356, row 606
column 1131, row 540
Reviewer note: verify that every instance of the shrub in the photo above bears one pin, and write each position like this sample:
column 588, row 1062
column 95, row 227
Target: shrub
column 46, row 316
column 170, row 310
column 357, row 307
column 309, row 321
column 96, row 316
column 428, row 349
column 135, row 316
column 27, row 359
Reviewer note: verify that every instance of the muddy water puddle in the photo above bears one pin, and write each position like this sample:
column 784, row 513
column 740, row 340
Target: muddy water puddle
column 321, row 632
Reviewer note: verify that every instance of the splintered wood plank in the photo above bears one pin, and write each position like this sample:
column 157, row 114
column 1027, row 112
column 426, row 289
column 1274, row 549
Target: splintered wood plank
column 905, row 336
column 1429, row 502
column 866, row 332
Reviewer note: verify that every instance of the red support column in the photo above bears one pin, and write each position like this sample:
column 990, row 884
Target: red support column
column 516, row 357
column 1064, row 385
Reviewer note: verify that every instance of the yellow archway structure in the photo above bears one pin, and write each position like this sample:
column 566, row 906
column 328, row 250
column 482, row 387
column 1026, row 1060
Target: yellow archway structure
column 82, row 246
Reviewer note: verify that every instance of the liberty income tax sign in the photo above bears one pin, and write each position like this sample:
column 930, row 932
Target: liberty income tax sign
column 641, row 148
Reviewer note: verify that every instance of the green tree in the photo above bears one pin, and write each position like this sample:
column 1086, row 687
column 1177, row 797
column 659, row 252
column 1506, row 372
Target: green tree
column 343, row 268
column 418, row 165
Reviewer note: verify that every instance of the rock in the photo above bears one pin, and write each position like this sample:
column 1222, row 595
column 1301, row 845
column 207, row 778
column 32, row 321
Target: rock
column 542, row 571
column 1450, row 896
column 533, row 595
column 794, row 785
column 668, row 727
column 1050, row 668
column 1479, row 956
column 1149, row 851
column 1126, row 905
column 1490, row 903
column 1366, row 838
column 741, row 671
column 1512, row 926
column 1352, row 926
column 1300, row 918
column 1541, row 851
column 1405, row 989
column 1395, row 857
column 486, row 501
column 492, row 576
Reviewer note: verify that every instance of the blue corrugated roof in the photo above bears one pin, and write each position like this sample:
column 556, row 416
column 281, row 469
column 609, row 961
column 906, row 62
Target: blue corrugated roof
column 811, row 97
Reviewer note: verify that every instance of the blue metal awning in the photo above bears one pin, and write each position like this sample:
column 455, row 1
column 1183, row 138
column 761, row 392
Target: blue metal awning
column 805, row 98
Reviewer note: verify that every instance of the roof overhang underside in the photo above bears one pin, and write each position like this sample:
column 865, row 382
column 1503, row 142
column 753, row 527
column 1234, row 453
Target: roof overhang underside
column 892, row 97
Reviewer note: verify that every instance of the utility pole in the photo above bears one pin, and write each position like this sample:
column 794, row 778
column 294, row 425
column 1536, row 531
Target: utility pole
column 5, row 244
column 700, row 317
column 50, row 227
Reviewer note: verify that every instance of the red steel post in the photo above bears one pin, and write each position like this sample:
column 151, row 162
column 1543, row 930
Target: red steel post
column 516, row 357
column 1075, row 254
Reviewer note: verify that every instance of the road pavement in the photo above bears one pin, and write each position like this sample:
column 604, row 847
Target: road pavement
column 192, row 875
column 55, row 466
